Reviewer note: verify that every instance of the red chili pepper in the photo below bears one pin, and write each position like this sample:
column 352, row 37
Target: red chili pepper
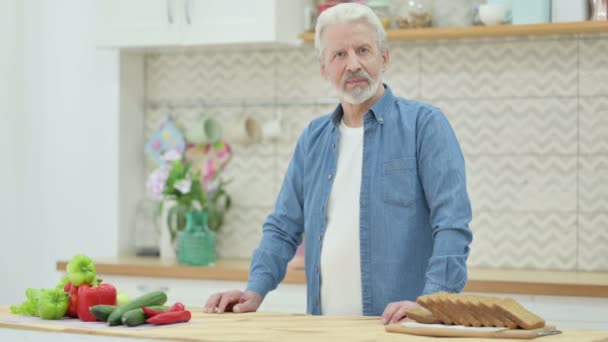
column 94, row 295
column 170, row 317
column 177, row 307
column 151, row 312
column 73, row 305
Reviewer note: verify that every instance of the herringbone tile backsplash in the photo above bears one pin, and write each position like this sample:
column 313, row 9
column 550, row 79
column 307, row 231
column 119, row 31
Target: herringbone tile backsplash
column 531, row 115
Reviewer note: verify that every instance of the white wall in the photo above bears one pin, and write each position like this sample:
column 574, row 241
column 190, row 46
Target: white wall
column 12, row 241
column 69, row 156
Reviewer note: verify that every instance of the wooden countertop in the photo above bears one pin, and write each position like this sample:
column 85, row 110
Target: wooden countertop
column 534, row 282
column 257, row 327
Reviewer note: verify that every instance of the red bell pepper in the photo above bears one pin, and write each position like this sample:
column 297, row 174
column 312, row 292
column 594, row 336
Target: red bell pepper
column 73, row 304
column 94, row 295
column 170, row 317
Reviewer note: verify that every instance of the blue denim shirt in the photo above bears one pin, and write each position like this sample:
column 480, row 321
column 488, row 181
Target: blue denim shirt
column 414, row 207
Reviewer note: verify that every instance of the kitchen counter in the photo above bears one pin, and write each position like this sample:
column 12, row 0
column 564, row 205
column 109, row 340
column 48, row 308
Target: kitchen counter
column 244, row 327
column 536, row 282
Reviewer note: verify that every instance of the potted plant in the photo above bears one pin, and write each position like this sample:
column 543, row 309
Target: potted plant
column 177, row 186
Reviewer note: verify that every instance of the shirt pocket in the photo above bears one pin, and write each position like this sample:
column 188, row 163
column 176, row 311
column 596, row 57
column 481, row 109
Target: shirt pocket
column 400, row 181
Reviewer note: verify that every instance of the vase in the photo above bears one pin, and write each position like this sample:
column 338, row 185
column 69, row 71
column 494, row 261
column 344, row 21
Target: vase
column 197, row 242
column 173, row 220
column 166, row 247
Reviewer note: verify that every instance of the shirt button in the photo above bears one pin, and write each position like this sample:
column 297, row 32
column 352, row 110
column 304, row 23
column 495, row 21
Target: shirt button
column 329, row 176
column 333, row 146
column 380, row 120
column 320, row 238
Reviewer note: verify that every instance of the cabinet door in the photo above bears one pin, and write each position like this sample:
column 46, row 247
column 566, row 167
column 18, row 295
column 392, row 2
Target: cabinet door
column 225, row 22
column 242, row 21
column 136, row 23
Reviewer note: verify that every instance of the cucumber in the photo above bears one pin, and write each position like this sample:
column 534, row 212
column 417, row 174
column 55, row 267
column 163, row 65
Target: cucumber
column 149, row 299
column 102, row 312
column 137, row 317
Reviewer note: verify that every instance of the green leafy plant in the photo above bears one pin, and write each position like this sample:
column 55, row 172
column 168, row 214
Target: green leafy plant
column 178, row 183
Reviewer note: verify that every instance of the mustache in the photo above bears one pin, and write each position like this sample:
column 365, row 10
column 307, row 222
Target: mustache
column 357, row 74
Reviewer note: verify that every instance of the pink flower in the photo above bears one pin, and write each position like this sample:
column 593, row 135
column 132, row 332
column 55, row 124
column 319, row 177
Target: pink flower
column 156, row 183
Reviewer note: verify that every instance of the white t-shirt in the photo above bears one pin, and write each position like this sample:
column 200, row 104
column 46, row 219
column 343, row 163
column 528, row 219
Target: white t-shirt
column 340, row 252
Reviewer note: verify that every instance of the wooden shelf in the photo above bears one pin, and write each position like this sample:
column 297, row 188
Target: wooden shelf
column 435, row 33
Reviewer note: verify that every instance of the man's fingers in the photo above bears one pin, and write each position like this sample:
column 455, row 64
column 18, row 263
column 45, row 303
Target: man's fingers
column 212, row 303
column 226, row 301
column 389, row 312
column 219, row 301
column 401, row 311
column 246, row 306
column 249, row 303
column 398, row 314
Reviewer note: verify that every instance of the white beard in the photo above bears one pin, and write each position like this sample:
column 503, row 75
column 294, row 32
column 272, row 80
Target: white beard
column 359, row 94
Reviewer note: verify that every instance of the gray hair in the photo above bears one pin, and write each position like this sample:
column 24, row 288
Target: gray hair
column 348, row 13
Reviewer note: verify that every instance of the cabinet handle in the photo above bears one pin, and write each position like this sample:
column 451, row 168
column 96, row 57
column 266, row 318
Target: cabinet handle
column 170, row 11
column 187, row 10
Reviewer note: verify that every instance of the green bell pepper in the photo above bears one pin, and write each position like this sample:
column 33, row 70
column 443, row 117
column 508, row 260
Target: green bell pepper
column 52, row 303
column 81, row 270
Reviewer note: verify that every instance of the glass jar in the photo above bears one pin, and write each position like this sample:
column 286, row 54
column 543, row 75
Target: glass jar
column 381, row 8
column 146, row 230
column 453, row 13
column 414, row 14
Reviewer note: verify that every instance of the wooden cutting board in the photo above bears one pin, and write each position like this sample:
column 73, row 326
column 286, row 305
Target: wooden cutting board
column 438, row 330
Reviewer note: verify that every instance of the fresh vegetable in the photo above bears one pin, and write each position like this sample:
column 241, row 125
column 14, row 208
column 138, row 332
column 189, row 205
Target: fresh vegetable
column 52, row 303
column 64, row 280
column 151, row 298
column 170, row 317
column 101, row 311
column 177, row 307
column 30, row 306
column 72, row 291
column 81, row 270
column 151, row 312
column 96, row 294
column 122, row 298
column 137, row 317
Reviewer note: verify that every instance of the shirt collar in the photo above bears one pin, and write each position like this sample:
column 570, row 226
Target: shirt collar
column 378, row 109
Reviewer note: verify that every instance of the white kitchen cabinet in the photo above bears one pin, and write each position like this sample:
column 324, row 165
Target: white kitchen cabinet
column 124, row 23
column 158, row 23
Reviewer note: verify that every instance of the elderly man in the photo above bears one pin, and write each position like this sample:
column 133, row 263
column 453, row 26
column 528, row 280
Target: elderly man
column 378, row 186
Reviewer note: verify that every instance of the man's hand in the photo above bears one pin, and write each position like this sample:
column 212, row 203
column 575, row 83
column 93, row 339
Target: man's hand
column 395, row 311
column 235, row 301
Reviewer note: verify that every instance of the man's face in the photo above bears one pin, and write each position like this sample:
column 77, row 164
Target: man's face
column 352, row 61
